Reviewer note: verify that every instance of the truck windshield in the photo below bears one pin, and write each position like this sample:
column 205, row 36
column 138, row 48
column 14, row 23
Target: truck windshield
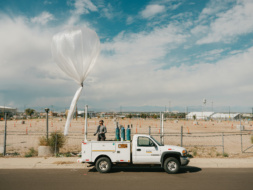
column 155, row 141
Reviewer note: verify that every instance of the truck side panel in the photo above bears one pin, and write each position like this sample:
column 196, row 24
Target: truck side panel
column 115, row 150
column 86, row 152
column 123, row 152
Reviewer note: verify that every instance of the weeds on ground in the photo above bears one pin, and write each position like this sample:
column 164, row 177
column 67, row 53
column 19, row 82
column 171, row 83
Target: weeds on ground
column 218, row 154
column 252, row 139
column 195, row 152
column 16, row 154
column 32, row 152
column 43, row 141
column 225, row 154
column 68, row 154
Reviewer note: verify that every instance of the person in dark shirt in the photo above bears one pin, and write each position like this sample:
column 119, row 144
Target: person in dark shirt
column 101, row 130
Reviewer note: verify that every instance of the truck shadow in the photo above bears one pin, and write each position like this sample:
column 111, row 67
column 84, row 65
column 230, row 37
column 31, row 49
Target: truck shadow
column 117, row 169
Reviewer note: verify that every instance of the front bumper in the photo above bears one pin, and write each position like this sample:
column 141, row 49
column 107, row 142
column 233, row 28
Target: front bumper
column 184, row 161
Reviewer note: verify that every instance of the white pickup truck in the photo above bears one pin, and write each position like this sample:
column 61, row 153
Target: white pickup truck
column 144, row 149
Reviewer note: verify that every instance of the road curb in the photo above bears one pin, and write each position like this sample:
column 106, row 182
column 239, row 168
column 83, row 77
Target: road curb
column 71, row 163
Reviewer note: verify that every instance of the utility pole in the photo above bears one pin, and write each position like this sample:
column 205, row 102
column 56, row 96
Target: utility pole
column 252, row 113
column 47, row 110
column 86, row 122
column 229, row 113
column 169, row 109
column 76, row 113
column 5, row 133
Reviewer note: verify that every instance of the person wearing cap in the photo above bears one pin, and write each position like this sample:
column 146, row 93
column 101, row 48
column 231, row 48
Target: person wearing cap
column 101, row 130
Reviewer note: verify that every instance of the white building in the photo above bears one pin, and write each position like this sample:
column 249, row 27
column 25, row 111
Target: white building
column 225, row 116
column 199, row 115
column 10, row 111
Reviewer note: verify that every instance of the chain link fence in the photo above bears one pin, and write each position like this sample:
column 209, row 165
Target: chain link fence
column 198, row 143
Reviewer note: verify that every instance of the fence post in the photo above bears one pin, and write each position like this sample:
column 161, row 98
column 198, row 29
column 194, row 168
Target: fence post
column 149, row 130
column 55, row 150
column 181, row 136
column 222, row 143
column 160, row 127
column 241, row 143
column 5, row 133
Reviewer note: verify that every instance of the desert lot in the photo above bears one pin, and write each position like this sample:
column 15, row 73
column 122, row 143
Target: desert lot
column 205, row 139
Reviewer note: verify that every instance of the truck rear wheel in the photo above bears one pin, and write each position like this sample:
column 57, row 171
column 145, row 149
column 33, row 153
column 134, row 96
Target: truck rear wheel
column 103, row 165
column 171, row 165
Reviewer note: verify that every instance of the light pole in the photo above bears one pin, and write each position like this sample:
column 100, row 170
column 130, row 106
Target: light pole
column 47, row 110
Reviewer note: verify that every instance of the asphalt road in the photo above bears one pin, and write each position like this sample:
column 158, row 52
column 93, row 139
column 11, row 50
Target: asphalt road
column 126, row 178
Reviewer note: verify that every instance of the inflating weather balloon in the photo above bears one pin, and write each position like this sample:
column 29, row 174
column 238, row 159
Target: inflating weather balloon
column 75, row 51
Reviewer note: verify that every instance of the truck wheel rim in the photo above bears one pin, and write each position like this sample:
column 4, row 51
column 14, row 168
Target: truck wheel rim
column 103, row 165
column 172, row 166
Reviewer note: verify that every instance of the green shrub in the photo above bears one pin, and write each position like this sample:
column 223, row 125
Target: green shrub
column 195, row 152
column 32, row 152
column 43, row 141
column 56, row 139
column 218, row 154
column 68, row 154
column 16, row 154
column 51, row 141
column 252, row 139
column 225, row 154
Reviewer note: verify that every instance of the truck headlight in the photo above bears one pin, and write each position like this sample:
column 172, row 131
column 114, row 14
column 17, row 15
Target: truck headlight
column 184, row 152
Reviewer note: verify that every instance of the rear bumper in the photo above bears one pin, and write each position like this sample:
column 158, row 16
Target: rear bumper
column 184, row 161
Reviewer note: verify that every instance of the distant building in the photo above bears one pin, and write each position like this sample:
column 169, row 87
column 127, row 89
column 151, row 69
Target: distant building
column 10, row 111
column 199, row 115
column 225, row 116
column 90, row 113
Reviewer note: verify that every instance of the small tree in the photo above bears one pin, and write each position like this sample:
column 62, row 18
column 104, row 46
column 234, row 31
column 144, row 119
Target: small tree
column 29, row 111
column 194, row 117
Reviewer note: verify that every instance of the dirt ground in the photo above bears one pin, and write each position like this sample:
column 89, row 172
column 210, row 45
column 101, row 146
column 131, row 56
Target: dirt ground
column 204, row 139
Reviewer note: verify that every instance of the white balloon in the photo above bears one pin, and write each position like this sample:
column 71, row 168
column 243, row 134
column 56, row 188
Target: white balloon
column 75, row 51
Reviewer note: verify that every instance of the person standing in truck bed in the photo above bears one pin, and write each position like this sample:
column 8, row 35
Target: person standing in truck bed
column 101, row 130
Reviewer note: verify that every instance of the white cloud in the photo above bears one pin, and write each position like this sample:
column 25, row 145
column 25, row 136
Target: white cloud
column 47, row 2
column 26, row 63
column 139, row 83
column 199, row 29
column 129, row 20
column 214, row 7
column 175, row 6
column 141, row 48
column 81, row 7
column 84, row 7
column 43, row 18
column 230, row 24
column 152, row 10
column 212, row 53
column 108, row 11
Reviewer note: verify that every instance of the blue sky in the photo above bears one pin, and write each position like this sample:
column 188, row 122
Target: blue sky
column 152, row 53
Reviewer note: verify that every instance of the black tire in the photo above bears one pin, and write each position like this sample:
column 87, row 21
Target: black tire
column 103, row 165
column 171, row 165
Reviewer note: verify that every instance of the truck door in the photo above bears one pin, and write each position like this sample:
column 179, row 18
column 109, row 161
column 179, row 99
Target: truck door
column 146, row 152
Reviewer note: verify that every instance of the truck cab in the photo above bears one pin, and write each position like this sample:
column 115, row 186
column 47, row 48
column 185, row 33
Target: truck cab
column 144, row 149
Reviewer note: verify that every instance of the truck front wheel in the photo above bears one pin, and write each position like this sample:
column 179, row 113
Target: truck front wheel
column 171, row 165
column 103, row 165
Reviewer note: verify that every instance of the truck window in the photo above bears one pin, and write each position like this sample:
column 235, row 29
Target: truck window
column 145, row 141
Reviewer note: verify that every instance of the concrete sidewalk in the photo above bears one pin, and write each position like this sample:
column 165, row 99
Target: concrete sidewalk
column 71, row 162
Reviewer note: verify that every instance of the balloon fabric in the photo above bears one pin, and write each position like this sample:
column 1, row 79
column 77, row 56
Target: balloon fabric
column 75, row 51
